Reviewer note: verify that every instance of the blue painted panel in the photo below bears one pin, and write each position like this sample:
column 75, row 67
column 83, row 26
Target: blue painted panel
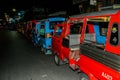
column 38, row 28
column 99, row 39
column 56, row 19
column 36, row 36
column 46, row 42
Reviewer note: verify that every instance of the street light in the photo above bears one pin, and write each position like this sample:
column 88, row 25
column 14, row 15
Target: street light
column 14, row 10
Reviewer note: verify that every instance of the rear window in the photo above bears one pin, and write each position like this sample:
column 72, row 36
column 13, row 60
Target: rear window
column 103, row 28
column 53, row 24
column 58, row 31
column 76, row 28
column 42, row 31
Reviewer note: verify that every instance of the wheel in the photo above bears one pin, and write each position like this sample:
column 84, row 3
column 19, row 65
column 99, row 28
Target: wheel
column 41, row 49
column 57, row 60
column 84, row 76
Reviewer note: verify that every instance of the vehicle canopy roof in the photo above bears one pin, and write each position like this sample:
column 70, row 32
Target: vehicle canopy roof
column 96, row 14
column 54, row 19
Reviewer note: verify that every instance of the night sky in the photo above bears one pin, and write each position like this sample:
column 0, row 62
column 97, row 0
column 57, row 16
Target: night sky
column 26, row 4
column 52, row 5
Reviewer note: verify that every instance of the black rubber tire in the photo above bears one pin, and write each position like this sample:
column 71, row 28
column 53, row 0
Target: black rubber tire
column 57, row 60
column 83, row 76
column 42, row 50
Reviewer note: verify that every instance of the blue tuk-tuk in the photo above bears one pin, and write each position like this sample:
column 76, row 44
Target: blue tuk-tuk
column 46, row 31
column 36, row 33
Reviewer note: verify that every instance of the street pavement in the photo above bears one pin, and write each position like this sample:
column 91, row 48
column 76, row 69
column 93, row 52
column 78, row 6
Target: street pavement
column 20, row 60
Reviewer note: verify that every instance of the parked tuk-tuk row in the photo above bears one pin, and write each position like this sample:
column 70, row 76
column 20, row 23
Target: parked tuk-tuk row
column 39, row 32
column 89, row 42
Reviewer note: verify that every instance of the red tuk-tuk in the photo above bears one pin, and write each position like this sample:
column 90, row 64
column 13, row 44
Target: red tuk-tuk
column 100, row 54
column 66, row 41
column 29, row 28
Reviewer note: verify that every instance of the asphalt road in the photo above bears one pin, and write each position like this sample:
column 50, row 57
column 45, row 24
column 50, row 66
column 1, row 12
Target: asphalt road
column 19, row 60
